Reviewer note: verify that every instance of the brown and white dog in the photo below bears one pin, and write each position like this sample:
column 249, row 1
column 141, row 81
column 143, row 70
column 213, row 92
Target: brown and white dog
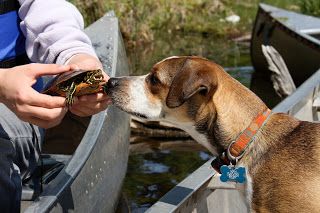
column 198, row 96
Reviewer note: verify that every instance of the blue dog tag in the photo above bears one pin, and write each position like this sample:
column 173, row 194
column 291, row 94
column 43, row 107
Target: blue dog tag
column 232, row 173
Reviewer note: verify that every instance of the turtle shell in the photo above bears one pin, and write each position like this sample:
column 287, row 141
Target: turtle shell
column 58, row 85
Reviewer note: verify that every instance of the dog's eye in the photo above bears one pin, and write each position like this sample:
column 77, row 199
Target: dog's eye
column 154, row 79
column 203, row 91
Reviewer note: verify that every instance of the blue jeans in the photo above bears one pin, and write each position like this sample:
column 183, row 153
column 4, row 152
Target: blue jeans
column 19, row 142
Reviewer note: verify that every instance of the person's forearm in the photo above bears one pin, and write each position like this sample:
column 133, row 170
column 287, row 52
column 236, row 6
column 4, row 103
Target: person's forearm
column 53, row 31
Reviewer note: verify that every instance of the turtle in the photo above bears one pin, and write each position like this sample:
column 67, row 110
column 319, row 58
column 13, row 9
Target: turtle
column 75, row 83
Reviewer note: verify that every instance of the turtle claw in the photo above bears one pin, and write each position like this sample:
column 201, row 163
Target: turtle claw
column 69, row 95
column 69, row 100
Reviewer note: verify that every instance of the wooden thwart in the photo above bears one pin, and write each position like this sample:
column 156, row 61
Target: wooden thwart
column 156, row 129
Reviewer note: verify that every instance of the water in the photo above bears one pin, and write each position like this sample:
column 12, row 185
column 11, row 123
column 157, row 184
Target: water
column 151, row 175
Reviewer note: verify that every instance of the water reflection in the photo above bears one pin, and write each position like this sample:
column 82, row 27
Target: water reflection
column 204, row 156
column 150, row 167
column 151, row 175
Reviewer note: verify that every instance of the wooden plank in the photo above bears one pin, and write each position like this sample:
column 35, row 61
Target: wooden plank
column 150, row 145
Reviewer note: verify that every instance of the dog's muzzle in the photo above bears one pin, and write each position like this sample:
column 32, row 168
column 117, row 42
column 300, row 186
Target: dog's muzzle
column 112, row 83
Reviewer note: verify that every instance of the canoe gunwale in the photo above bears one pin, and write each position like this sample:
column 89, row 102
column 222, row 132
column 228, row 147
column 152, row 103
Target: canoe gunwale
column 297, row 100
column 176, row 197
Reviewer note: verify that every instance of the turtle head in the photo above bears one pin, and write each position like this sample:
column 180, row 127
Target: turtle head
column 94, row 76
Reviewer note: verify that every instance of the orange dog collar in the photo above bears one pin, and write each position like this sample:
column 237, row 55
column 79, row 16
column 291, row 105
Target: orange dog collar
column 237, row 148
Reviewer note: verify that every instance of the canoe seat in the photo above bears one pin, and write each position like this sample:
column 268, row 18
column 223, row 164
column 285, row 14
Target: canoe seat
column 46, row 171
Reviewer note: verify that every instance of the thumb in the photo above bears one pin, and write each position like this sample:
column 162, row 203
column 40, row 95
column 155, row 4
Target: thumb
column 37, row 70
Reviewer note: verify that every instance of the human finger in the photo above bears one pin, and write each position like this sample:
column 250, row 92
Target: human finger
column 79, row 112
column 41, row 113
column 35, row 98
column 90, row 108
column 42, row 123
column 94, row 97
column 94, row 105
column 74, row 67
column 106, row 76
column 38, row 70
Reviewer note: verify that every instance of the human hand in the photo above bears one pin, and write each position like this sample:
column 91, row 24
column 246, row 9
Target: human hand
column 17, row 94
column 87, row 105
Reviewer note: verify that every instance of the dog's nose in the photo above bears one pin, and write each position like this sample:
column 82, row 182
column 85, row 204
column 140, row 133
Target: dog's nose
column 112, row 82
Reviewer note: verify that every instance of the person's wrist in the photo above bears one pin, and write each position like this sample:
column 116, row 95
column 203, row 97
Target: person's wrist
column 84, row 61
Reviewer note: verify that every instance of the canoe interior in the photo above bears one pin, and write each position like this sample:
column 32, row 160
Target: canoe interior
column 286, row 37
column 92, row 178
column 294, row 36
column 193, row 195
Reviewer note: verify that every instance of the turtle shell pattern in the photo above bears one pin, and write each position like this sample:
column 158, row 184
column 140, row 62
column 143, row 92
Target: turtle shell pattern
column 86, row 82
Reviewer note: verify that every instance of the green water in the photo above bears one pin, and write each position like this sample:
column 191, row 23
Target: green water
column 150, row 176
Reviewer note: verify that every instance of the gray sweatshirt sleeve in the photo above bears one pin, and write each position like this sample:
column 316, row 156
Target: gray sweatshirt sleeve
column 53, row 31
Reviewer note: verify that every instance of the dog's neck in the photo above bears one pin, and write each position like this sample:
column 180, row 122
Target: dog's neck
column 235, row 108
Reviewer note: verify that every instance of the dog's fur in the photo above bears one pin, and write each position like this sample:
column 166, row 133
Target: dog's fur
column 198, row 96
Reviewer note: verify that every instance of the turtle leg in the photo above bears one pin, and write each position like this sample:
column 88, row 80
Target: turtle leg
column 69, row 94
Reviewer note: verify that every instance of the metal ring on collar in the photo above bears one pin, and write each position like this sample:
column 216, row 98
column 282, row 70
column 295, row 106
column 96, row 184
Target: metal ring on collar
column 230, row 156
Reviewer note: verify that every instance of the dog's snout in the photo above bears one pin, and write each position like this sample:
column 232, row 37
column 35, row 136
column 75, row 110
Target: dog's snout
column 113, row 82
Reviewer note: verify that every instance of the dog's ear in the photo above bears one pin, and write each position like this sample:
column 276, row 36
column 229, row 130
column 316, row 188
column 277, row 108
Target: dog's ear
column 192, row 78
